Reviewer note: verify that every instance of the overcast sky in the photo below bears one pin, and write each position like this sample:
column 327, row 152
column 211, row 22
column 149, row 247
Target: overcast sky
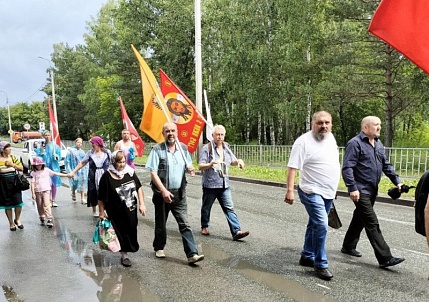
column 29, row 29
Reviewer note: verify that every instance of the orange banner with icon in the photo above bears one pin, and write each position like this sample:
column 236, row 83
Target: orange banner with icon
column 184, row 113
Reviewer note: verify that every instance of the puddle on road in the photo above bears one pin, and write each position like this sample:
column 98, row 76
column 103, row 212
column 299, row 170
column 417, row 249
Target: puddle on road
column 9, row 294
column 113, row 284
column 289, row 288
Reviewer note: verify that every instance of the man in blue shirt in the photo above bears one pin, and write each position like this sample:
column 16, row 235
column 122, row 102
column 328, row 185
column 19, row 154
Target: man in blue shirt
column 363, row 162
column 215, row 159
column 168, row 161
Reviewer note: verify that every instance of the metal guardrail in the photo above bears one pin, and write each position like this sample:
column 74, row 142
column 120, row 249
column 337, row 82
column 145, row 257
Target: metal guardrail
column 408, row 162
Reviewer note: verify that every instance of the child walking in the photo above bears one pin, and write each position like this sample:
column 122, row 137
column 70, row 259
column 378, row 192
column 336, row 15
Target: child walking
column 41, row 189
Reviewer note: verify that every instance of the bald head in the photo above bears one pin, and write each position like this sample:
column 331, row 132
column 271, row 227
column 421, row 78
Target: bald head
column 371, row 126
column 169, row 131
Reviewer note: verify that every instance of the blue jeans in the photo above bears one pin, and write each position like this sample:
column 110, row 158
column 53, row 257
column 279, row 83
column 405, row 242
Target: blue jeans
column 179, row 209
column 317, row 227
column 225, row 201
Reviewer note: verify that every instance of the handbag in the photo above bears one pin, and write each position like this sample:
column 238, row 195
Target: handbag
column 21, row 182
column 105, row 236
column 333, row 218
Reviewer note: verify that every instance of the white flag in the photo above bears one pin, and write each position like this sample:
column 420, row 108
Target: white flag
column 209, row 124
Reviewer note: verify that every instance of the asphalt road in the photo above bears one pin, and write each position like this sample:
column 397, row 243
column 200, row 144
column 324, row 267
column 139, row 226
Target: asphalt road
column 62, row 263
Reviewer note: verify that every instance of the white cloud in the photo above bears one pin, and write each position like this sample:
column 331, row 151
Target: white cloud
column 29, row 29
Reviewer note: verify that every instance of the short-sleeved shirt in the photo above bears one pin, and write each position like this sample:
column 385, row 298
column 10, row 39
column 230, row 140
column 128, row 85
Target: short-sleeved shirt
column 41, row 179
column 319, row 164
column 175, row 162
column 211, row 179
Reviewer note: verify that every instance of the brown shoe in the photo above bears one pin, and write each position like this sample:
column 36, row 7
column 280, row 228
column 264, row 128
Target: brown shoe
column 205, row 231
column 239, row 235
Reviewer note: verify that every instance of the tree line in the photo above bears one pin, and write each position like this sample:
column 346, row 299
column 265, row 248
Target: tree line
column 267, row 66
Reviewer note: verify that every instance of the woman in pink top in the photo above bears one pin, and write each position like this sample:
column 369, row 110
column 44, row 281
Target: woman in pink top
column 41, row 189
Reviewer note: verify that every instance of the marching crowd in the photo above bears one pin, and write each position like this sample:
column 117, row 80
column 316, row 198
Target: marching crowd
column 107, row 183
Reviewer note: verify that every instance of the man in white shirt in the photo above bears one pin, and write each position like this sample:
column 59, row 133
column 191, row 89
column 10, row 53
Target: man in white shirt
column 315, row 154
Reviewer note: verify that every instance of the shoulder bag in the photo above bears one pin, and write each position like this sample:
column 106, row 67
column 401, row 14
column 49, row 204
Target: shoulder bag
column 21, row 182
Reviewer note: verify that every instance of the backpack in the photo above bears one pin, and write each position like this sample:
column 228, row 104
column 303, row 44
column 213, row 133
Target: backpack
column 421, row 196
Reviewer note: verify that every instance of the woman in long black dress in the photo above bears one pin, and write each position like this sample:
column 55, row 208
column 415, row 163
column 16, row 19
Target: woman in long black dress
column 10, row 196
column 120, row 194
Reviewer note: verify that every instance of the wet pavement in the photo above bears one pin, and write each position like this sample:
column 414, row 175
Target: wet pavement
column 62, row 263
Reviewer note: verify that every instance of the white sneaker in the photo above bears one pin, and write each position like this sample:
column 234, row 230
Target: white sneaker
column 54, row 204
column 95, row 214
column 49, row 223
column 195, row 258
column 159, row 254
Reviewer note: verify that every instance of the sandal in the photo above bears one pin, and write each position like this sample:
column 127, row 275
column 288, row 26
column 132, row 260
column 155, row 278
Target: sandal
column 74, row 196
column 13, row 228
column 20, row 226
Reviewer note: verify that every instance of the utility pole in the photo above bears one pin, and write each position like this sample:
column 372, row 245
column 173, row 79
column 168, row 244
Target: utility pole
column 10, row 131
column 198, row 63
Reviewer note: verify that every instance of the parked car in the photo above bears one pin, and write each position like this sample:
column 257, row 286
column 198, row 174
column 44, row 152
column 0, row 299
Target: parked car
column 28, row 152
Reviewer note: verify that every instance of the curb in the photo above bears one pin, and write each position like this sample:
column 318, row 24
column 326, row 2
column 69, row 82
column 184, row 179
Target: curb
column 385, row 199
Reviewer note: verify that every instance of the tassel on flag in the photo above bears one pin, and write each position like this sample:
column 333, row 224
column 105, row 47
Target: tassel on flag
column 404, row 25
column 53, row 126
column 185, row 115
column 135, row 137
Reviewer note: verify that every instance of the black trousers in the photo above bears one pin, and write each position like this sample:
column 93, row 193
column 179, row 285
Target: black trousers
column 365, row 217
column 179, row 209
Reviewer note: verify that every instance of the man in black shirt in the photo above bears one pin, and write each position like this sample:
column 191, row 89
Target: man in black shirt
column 363, row 162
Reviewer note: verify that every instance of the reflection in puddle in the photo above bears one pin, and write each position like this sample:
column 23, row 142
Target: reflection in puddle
column 10, row 294
column 113, row 283
column 290, row 288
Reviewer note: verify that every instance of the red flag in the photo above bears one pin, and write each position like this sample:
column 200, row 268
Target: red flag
column 135, row 137
column 53, row 126
column 404, row 25
column 189, row 122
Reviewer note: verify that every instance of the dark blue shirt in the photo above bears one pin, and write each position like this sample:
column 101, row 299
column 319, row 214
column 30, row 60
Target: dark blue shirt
column 363, row 164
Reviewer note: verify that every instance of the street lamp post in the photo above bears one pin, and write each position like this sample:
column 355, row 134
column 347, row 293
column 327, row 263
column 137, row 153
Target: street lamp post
column 8, row 114
column 54, row 103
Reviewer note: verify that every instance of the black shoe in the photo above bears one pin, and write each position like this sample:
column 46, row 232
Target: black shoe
column 352, row 252
column 20, row 226
column 323, row 273
column 306, row 262
column 126, row 262
column 391, row 262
